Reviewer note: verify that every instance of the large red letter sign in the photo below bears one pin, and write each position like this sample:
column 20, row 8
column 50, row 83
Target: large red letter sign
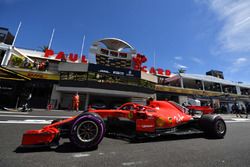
column 168, row 72
column 84, row 60
column 160, row 71
column 152, row 71
column 73, row 57
column 61, row 56
column 48, row 52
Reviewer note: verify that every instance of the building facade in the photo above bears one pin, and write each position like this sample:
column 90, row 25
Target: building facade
column 209, row 90
column 115, row 76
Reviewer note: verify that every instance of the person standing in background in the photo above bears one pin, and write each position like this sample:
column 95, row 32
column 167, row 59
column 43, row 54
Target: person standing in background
column 242, row 111
column 76, row 101
column 236, row 110
column 46, row 65
column 247, row 109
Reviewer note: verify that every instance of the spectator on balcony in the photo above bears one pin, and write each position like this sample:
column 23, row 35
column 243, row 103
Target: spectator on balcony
column 35, row 64
column 41, row 66
column 25, row 63
column 46, row 66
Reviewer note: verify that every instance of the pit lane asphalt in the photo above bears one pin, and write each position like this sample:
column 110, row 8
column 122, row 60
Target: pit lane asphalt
column 186, row 150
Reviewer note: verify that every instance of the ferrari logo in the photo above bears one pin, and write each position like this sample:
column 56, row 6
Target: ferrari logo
column 170, row 120
column 130, row 115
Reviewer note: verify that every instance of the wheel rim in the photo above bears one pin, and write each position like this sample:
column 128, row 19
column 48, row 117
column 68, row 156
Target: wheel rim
column 87, row 131
column 220, row 127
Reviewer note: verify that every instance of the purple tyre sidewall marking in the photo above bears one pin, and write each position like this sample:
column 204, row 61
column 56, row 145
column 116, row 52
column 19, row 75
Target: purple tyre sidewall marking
column 93, row 118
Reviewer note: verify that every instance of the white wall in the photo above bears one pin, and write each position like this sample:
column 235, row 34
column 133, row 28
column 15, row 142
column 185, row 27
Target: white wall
column 148, row 77
column 183, row 99
column 55, row 95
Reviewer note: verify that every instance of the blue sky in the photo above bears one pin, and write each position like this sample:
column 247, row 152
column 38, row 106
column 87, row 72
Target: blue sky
column 198, row 35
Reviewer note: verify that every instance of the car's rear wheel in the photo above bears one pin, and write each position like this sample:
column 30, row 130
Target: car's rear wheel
column 213, row 125
column 87, row 131
column 218, row 128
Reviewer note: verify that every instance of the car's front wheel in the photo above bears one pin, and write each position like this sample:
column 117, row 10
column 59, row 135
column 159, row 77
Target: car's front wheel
column 87, row 131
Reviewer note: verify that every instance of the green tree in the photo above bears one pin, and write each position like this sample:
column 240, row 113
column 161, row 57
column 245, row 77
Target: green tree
column 181, row 70
column 44, row 48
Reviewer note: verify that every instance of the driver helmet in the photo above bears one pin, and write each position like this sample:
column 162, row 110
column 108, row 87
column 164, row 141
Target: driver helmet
column 149, row 100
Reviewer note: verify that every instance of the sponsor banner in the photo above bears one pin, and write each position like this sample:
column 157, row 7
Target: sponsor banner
column 187, row 91
column 113, row 71
column 35, row 75
column 5, row 88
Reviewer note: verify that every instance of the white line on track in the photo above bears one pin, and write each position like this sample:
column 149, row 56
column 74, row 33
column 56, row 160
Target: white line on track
column 134, row 163
column 35, row 116
column 14, row 112
column 79, row 155
column 238, row 120
column 28, row 121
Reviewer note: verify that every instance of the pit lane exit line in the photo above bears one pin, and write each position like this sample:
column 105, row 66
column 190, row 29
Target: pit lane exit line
column 34, row 116
column 13, row 112
column 27, row 121
column 238, row 120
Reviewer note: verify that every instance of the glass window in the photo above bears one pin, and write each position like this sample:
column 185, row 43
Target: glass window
column 2, row 35
column 133, row 81
column 80, row 76
column 72, row 76
column 92, row 76
column 115, row 54
column 123, row 55
column 147, row 84
column 104, row 51
column 64, row 76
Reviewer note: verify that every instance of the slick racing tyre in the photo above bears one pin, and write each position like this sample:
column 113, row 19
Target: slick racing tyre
column 219, row 128
column 87, row 131
column 214, row 126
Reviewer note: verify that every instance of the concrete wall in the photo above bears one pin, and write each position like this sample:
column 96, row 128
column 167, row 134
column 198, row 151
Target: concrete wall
column 74, row 67
column 55, row 97
column 183, row 99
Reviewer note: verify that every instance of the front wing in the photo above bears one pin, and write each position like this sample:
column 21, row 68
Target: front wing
column 48, row 135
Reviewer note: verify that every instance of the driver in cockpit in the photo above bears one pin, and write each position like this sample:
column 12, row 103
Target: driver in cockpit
column 149, row 100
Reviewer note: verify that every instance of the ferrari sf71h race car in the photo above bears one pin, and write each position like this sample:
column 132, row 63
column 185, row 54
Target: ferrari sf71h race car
column 87, row 129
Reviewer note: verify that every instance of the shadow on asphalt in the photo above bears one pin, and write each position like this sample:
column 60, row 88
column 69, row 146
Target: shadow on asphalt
column 168, row 137
column 28, row 150
column 66, row 147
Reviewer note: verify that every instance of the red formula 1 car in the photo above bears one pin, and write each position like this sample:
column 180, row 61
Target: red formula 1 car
column 158, row 118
